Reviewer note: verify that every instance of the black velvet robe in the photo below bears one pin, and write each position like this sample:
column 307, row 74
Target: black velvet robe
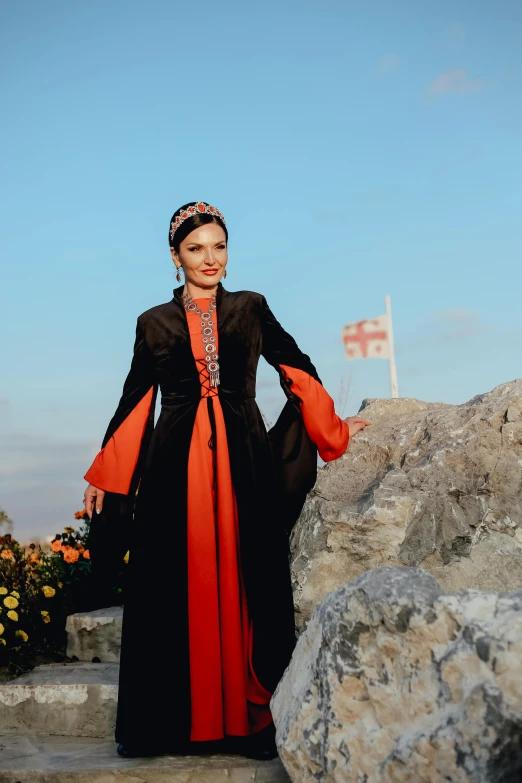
column 271, row 473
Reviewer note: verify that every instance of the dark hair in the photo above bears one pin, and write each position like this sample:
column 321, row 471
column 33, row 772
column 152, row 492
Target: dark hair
column 191, row 223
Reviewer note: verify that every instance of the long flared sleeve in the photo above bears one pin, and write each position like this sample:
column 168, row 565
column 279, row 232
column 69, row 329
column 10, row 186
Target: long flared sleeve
column 114, row 468
column 299, row 378
column 325, row 428
column 307, row 424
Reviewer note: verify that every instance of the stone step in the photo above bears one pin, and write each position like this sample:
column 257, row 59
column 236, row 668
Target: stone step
column 74, row 699
column 95, row 634
column 33, row 759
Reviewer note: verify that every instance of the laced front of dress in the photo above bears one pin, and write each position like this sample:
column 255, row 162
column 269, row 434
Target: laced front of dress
column 204, row 376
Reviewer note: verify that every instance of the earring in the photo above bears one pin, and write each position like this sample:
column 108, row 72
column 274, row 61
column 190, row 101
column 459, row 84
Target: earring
column 178, row 276
column 225, row 273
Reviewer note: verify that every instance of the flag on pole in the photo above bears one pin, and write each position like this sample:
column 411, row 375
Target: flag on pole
column 367, row 339
column 373, row 339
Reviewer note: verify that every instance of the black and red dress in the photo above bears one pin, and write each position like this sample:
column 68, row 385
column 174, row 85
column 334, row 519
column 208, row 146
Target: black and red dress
column 208, row 624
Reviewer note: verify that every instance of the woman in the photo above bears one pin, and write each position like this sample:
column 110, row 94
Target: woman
column 207, row 635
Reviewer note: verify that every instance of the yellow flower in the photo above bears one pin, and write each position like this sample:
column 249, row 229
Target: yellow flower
column 22, row 634
column 49, row 592
column 43, row 613
column 13, row 615
column 10, row 602
column 60, row 585
column 2, row 641
column 15, row 593
column 47, row 619
column 1, row 628
column 126, row 558
column 3, row 590
column 69, row 530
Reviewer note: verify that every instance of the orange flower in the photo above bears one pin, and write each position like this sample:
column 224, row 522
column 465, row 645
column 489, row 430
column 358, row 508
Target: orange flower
column 56, row 545
column 33, row 557
column 80, row 514
column 70, row 555
column 80, row 547
column 87, row 554
column 7, row 554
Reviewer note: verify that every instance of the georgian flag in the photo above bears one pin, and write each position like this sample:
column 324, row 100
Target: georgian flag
column 367, row 339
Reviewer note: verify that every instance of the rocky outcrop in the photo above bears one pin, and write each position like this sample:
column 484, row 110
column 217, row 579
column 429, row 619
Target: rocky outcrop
column 431, row 485
column 394, row 681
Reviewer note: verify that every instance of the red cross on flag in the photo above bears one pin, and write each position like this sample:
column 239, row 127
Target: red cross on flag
column 373, row 339
column 367, row 339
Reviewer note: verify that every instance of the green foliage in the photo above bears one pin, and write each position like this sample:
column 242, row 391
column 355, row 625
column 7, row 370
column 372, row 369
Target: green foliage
column 39, row 589
column 32, row 605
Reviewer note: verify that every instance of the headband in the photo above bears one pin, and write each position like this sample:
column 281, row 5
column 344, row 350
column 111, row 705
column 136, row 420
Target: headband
column 198, row 208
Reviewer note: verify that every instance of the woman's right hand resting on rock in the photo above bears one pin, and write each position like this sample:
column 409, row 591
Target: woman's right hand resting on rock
column 93, row 499
column 356, row 424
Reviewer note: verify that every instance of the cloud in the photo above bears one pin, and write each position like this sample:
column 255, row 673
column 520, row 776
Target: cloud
column 411, row 372
column 456, row 81
column 455, row 32
column 387, row 63
column 444, row 326
column 41, row 481
column 457, row 324
column 330, row 215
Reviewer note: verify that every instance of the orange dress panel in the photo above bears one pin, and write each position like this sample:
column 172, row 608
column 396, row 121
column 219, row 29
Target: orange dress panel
column 325, row 428
column 226, row 696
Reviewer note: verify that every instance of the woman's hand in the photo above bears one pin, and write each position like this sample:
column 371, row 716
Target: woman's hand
column 356, row 424
column 93, row 498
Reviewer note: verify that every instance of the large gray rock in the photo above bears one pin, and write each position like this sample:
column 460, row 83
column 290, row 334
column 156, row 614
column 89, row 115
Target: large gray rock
column 95, row 634
column 430, row 485
column 75, row 699
column 30, row 759
column 394, row 681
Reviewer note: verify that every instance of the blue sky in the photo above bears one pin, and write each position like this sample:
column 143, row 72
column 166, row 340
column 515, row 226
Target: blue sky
column 355, row 149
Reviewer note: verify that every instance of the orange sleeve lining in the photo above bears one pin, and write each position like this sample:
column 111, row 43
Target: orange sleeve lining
column 325, row 428
column 113, row 467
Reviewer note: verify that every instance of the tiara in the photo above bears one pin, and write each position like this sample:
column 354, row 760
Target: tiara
column 199, row 208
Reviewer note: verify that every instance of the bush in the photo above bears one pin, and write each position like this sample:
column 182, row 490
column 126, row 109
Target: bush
column 38, row 589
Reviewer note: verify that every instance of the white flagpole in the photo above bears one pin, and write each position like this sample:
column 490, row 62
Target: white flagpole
column 393, row 368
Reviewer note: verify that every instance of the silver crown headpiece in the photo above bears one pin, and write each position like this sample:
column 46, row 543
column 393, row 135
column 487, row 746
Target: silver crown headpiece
column 199, row 208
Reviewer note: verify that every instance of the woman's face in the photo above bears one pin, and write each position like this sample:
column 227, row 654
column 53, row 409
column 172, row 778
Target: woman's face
column 203, row 255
